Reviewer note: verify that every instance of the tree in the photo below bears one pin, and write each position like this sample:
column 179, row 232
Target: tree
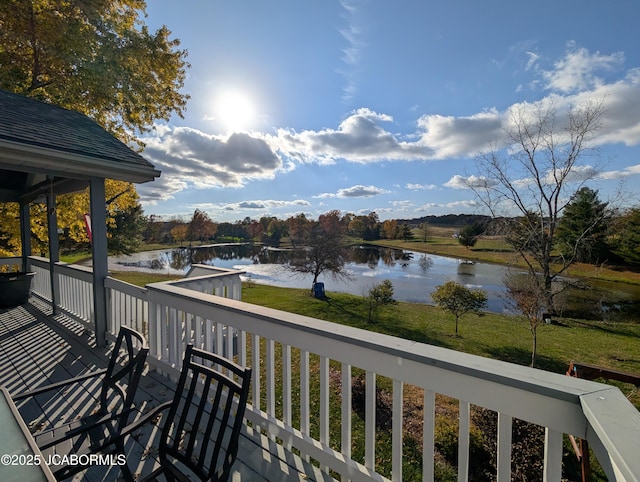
column 468, row 236
column 325, row 252
column 406, row 232
column 582, row 230
column 424, row 230
column 626, row 240
column 179, row 233
column 531, row 175
column 201, row 227
column 94, row 57
column 125, row 223
column 526, row 292
column 380, row 295
column 390, row 229
column 125, row 234
column 458, row 299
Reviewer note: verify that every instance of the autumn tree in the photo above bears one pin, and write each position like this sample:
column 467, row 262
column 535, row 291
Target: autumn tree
column 390, row 229
column 531, row 174
column 125, row 220
column 97, row 57
column 458, row 299
column 298, row 227
column 201, row 227
column 179, row 233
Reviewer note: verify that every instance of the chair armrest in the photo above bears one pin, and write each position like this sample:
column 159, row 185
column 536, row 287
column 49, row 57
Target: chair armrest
column 57, row 385
column 146, row 418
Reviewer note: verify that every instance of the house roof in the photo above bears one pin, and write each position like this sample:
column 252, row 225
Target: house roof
column 43, row 142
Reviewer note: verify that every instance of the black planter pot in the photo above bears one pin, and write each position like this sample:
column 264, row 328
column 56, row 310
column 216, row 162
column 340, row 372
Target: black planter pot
column 14, row 288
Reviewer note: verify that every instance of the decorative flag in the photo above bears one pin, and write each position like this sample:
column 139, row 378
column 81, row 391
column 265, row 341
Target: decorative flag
column 87, row 224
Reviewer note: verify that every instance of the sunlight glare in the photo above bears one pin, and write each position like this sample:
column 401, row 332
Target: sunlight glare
column 235, row 110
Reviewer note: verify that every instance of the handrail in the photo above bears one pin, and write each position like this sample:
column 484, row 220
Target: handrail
column 561, row 404
column 172, row 316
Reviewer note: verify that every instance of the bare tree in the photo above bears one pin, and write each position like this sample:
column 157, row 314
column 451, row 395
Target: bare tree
column 526, row 296
column 325, row 250
column 536, row 174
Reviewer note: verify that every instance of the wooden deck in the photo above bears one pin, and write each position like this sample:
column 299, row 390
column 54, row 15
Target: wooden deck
column 37, row 348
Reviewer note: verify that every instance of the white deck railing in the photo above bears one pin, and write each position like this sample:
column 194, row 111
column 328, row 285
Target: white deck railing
column 298, row 360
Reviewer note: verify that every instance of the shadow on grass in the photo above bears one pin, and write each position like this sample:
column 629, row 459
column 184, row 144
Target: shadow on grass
column 354, row 314
column 520, row 356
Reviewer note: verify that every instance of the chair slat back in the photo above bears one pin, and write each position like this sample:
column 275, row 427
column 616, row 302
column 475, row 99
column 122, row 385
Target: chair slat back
column 123, row 372
column 202, row 427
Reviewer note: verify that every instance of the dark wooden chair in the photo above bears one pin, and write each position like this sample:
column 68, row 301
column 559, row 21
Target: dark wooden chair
column 93, row 431
column 201, row 429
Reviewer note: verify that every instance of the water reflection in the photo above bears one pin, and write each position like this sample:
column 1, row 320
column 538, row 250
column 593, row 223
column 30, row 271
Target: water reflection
column 414, row 275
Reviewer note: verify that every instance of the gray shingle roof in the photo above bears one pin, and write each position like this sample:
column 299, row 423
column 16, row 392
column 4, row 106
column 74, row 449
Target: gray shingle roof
column 29, row 121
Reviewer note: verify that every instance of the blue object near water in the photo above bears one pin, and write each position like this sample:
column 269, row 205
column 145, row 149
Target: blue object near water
column 318, row 290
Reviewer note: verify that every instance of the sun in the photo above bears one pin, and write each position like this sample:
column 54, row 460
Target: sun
column 234, row 109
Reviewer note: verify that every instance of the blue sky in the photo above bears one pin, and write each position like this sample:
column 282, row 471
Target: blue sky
column 372, row 105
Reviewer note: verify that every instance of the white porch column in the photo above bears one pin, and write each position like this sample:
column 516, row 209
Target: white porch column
column 54, row 249
column 99, row 254
column 25, row 234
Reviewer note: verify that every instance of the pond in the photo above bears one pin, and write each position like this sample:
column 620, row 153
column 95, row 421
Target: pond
column 414, row 275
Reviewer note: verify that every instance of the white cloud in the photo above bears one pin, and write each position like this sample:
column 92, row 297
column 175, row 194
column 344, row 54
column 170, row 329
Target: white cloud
column 191, row 158
column 626, row 172
column 532, row 59
column 419, row 187
column 577, row 70
column 355, row 191
column 266, row 204
column 466, row 182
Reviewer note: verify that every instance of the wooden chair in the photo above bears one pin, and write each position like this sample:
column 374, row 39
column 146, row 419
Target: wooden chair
column 200, row 432
column 93, row 431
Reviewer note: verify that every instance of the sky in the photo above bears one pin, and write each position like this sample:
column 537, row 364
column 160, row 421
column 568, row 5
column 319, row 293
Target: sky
column 305, row 106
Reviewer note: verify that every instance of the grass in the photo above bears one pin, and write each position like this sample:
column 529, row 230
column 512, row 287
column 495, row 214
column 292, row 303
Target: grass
column 496, row 336
column 615, row 345
column 493, row 249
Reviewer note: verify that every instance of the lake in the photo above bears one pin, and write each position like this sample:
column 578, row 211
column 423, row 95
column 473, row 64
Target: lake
column 414, row 275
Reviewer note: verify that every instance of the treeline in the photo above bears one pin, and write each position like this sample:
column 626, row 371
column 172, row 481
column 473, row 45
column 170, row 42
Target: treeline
column 267, row 229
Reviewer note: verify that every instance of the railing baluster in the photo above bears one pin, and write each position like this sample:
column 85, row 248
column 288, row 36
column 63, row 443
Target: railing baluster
column 304, row 392
column 345, row 442
column 396, row 429
column 324, row 400
column 505, row 424
column 370, row 421
column 286, row 387
column 255, row 373
column 463, row 442
column 271, row 376
column 552, row 455
column 428, row 435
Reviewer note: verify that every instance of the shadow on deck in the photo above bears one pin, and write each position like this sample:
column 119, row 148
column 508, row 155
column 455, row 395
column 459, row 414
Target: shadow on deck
column 38, row 348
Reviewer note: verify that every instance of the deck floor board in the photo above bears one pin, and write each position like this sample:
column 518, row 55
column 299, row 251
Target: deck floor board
column 38, row 348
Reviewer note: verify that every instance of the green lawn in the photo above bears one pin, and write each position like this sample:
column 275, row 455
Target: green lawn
column 615, row 345
column 507, row 338
column 491, row 335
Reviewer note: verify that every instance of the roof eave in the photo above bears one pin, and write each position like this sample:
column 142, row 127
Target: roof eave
column 28, row 158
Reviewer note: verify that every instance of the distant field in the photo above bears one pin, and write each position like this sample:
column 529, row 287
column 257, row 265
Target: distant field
column 492, row 249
